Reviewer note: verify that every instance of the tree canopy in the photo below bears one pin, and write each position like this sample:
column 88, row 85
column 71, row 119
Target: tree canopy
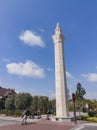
column 22, row 101
column 80, row 92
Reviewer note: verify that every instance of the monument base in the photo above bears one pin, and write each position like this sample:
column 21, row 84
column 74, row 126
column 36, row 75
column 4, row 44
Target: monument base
column 63, row 119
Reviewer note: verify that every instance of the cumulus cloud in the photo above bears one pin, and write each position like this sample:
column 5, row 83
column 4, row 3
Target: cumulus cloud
column 32, row 39
column 69, row 75
column 91, row 77
column 29, row 69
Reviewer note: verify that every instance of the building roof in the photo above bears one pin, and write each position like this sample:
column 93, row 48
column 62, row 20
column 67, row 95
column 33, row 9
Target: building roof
column 6, row 92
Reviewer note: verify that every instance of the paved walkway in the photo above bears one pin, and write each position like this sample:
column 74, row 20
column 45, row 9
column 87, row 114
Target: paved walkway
column 84, row 125
column 11, row 123
column 39, row 125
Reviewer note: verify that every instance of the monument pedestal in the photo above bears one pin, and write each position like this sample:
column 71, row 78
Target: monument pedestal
column 63, row 119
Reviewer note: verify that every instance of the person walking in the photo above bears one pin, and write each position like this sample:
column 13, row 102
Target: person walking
column 25, row 115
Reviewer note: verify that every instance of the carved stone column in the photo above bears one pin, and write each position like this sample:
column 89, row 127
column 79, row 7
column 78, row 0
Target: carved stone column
column 60, row 74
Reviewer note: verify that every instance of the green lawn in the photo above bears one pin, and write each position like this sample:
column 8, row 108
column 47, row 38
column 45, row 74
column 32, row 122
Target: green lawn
column 91, row 119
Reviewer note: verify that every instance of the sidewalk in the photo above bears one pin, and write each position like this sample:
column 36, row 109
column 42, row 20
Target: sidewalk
column 37, row 124
column 82, row 124
column 11, row 118
column 12, row 123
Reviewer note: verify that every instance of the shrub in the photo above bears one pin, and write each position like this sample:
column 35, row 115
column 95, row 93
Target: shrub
column 91, row 113
column 18, row 113
column 87, row 118
column 92, row 119
column 9, row 113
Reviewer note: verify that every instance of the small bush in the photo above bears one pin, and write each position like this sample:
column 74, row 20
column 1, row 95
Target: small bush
column 9, row 113
column 18, row 113
column 82, row 117
column 2, row 111
column 87, row 118
column 91, row 113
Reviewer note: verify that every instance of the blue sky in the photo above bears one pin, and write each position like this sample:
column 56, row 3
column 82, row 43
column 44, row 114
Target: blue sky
column 27, row 50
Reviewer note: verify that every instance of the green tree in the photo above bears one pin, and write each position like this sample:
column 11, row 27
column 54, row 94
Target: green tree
column 23, row 100
column 40, row 104
column 43, row 104
column 2, row 103
column 71, row 106
column 52, row 104
column 92, row 103
column 9, row 102
column 80, row 92
column 34, row 105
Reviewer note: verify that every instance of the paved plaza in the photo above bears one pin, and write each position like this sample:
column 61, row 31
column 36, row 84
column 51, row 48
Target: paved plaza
column 11, row 123
column 34, row 125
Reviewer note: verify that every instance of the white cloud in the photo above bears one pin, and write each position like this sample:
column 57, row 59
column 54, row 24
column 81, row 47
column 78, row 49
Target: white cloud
column 91, row 77
column 69, row 75
column 29, row 69
column 32, row 39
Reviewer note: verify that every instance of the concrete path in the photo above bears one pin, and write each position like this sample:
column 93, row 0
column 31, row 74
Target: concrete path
column 11, row 123
column 84, row 125
column 8, row 120
column 35, row 125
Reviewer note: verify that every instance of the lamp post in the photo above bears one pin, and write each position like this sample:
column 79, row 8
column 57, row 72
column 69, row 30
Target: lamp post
column 74, row 109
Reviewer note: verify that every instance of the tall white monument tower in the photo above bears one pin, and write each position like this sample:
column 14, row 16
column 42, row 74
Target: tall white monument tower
column 60, row 75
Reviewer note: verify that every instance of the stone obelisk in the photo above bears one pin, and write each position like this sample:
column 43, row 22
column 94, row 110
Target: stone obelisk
column 60, row 74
